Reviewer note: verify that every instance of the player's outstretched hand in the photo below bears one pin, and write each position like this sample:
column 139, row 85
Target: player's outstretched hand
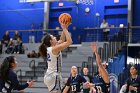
column 30, row 83
column 94, row 47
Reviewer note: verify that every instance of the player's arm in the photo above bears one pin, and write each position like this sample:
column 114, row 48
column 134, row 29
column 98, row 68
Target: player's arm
column 84, row 81
column 62, row 38
column 56, row 49
column 133, row 88
column 104, row 73
column 66, row 89
column 137, row 88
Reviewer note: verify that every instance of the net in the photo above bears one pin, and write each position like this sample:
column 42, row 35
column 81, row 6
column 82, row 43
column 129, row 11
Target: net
column 86, row 2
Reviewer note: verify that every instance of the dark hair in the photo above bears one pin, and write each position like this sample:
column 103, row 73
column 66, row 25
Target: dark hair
column 44, row 44
column 5, row 66
column 135, row 66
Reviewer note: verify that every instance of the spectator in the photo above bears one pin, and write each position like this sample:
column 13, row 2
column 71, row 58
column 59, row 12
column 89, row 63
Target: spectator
column 86, row 89
column 17, row 36
column 9, row 77
column 121, row 35
column 6, row 38
column 33, row 54
column 18, row 46
column 133, row 82
column 11, row 46
column 105, row 26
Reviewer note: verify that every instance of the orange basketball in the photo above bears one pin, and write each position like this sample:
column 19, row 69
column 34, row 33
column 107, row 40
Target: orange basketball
column 66, row 17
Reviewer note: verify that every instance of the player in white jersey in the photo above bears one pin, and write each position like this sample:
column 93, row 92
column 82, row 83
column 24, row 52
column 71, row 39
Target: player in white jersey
column 51, row 49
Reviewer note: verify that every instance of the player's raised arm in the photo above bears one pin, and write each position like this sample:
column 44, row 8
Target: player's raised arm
column 103, row 71
column 68, row 42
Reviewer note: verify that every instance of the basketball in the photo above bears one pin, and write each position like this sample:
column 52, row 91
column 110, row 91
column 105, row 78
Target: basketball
column 65, row 17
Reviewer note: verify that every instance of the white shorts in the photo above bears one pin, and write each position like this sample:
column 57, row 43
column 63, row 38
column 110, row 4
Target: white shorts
column 123, row 89
column 54, row 82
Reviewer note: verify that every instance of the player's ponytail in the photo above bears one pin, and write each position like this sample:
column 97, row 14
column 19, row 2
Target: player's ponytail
column 43, row 46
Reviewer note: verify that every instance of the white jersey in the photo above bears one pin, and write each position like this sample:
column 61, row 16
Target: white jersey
column 54, row 62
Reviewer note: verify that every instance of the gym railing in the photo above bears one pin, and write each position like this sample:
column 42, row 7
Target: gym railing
column 34, row 35
column 124, row 34
column 33, row 66
column 20, row 75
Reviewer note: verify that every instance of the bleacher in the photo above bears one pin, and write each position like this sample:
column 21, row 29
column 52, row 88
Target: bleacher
column 34, row 68
column 78, row 55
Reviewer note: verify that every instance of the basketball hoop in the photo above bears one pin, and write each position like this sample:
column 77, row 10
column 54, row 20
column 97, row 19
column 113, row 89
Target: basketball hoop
column 85, row 2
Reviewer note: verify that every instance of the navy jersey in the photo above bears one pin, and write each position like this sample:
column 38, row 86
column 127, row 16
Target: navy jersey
column 1, row 84
column 13, row 83
column 75, row 83
column 100, row 85
column 135, row 83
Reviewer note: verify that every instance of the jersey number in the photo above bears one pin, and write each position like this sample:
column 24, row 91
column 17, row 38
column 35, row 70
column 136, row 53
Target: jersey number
column 73, row 87
column 48, row 57
column 99, row 89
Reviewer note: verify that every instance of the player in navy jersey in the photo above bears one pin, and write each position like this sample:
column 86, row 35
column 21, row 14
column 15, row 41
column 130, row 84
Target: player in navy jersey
column 8, row 78
column 133, row 82
column 75, row 82
column 50, row 49
column 88, row 77
column 102, row 81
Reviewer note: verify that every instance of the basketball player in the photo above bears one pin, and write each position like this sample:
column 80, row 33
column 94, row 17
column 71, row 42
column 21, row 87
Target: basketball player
column 102, row 83
column 8, row 78
column 133, row 82
column 88, row 77
column 75, row 81
column 51, row 49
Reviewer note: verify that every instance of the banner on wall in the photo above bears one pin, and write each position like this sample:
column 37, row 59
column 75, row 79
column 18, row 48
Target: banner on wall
column 133, row 54
column 116, row 1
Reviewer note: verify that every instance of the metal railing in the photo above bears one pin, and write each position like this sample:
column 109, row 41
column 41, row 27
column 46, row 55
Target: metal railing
column 33, row 66
column 125, row 34
column 34, row 35
column 128, row 34
column 19, row 71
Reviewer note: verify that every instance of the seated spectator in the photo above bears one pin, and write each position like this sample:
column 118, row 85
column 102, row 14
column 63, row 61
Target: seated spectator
column 18, row 46
column 6, row 38
column 10, row 47
column 133, row 82
column 33, row 54
column 16, row 36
